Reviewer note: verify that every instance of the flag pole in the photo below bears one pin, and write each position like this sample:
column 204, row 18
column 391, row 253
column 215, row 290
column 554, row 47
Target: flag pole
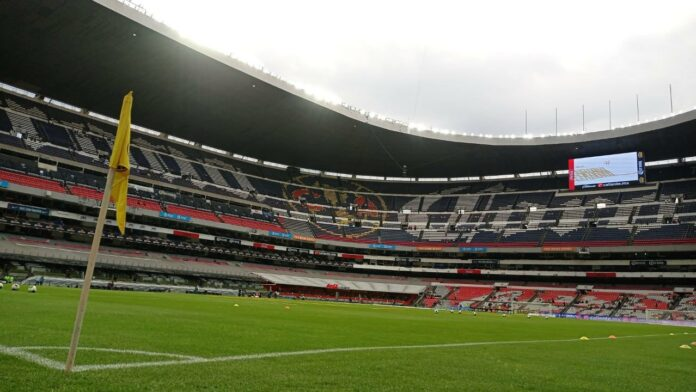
column 91, row 261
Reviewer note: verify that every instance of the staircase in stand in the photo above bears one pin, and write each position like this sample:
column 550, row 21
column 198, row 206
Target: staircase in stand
column 571, row 303
column 483, row 301
column 243, row 181
column 618, row 307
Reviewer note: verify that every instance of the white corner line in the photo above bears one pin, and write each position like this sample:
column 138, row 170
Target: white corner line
column 112, row 350
column 31, row 357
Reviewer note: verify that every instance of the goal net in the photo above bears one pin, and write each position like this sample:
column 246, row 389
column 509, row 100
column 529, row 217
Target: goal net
column 539, row 308
column 533, row 308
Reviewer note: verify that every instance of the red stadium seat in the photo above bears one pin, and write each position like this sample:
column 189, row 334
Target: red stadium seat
column 254, row 224
column 31, row 181
column 192, row 213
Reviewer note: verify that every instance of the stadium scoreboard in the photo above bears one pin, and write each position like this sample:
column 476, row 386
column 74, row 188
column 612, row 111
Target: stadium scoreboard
column 606, row 171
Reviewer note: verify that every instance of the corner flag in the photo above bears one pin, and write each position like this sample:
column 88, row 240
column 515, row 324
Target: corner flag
column 120, row 162
column 116, row 190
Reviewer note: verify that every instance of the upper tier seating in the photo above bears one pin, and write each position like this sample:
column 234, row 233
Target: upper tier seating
column 31, row 181
column 201, row 172
column 139, row 158
column 145, row 204
column 166, row 160
column 443, row 204
column 86, row 192
column 192, row 213
column 171, row 164
column 608, row 236
column 85, row 144
column 6, row 138
column 560, row 235
column 685, row 188
column 54, row 134
column 566, row 201
column 661, row 234
column 512, row 235
column 503, row 218
column 22, row 105
column 606, row 198
column 522, row 236
column 396, row 236
column 638, row 196
column 534, row 199
column 503, row 201
column 686, row 208
column 5, row 123
column 485, row 237
column 648, row 209
column 133, row 202
column 251, row 223
column 297, row 227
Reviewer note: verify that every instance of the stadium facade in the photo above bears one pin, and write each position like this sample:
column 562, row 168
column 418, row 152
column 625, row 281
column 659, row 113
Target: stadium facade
column 240, row 180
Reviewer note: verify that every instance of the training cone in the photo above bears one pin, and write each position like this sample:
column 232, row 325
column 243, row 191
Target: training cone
column 236, row 305
column 584, row 338
column 671, row 334
column 693, row 343
column 287, row 307
column 685, row 346
column 612, row 337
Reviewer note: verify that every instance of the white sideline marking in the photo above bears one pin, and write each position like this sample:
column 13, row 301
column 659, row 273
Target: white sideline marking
column 20, row 352
column 31, row 357
column 112, row 350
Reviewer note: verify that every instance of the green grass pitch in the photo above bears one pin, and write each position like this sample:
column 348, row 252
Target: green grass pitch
column 164, row 329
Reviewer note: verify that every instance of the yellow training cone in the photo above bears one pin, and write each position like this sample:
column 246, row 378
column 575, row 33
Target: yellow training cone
column 584, row 338
column 236, row 305
column 671, row 334
column 612, row 337
column 685, row 346
column 287, row 307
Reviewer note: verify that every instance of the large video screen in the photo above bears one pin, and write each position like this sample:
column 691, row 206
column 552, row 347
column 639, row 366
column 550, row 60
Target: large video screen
column 606, row 171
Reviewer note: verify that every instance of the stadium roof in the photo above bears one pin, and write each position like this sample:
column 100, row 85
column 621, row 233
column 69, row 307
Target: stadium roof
column 90, row 53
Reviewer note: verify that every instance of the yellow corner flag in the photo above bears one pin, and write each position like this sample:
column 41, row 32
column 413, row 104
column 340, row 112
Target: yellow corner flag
column 120, row 162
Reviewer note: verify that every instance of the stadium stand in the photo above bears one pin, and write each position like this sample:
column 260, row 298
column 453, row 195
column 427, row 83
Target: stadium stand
column 202, row 204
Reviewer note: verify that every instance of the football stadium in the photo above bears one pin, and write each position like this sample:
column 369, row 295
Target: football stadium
column 221, row 229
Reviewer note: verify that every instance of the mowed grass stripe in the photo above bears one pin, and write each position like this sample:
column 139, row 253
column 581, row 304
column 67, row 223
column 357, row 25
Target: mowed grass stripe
column 212, row 327
column 197, row 360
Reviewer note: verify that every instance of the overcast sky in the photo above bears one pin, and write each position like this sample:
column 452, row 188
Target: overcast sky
column 465, row 66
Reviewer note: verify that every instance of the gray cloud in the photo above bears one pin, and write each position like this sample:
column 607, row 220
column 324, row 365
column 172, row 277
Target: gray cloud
column 490, row 95
column 464, row 66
